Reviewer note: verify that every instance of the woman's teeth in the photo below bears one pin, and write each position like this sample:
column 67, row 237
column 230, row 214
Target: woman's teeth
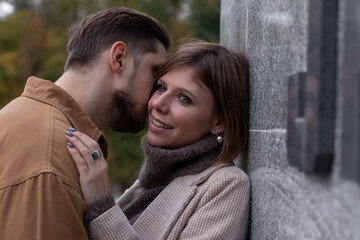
column 159, row 124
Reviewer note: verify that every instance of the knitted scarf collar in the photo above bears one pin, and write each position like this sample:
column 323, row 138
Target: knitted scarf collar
column 161, row 166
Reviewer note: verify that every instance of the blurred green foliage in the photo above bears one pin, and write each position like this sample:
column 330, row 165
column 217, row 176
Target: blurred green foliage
column 33, row 42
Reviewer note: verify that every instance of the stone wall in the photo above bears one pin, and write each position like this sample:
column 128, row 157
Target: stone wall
column 303, row 156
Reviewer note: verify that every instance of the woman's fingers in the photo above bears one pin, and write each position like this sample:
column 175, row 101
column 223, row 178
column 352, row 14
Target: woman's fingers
column 94, row 178
column 78, row 159
column 87, row 141
column 84, row 145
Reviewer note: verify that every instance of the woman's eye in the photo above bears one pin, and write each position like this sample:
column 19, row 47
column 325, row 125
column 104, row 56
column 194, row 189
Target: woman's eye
column 160, row 88
column 185, row 99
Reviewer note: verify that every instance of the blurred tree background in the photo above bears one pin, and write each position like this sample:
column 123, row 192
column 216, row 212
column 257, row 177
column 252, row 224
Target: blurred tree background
column 33, row 43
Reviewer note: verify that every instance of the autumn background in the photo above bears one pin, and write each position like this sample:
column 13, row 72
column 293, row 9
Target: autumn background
column 33, row 40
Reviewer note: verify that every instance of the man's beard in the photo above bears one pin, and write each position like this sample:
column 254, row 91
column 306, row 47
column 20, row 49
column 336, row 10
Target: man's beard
column 122, row 113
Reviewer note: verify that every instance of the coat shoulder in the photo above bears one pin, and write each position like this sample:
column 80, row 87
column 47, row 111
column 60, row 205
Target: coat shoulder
column 226, row 178
column 231, row 173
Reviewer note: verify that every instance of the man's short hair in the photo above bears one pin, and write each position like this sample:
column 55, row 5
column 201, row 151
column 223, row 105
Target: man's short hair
column 90, row 36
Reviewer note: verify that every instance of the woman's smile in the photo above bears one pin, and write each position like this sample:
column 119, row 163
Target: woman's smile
column 160, row 124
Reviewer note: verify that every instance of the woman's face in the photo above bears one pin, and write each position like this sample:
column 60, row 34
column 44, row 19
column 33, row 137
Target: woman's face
column 180, row 111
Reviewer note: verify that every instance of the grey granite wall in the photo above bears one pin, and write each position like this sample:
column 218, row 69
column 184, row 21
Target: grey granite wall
column 287, row 203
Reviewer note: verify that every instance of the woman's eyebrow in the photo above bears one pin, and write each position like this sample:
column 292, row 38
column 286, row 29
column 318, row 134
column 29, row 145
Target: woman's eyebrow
column 162, row 81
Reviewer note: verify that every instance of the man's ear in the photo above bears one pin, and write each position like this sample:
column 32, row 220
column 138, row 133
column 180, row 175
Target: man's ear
column 118, row 53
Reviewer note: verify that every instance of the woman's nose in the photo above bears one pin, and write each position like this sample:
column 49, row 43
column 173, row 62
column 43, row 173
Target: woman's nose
column 160, row 102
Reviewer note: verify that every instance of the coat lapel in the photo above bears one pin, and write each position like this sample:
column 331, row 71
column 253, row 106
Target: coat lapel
column 162, row 213
column 166, row 210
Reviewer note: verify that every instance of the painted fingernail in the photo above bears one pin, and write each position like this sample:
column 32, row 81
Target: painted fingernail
column 70, row 145
column 69, row 134
column 72, row 129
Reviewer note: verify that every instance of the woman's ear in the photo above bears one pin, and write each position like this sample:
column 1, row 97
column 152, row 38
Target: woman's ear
column 217, row 126
column 118, row 53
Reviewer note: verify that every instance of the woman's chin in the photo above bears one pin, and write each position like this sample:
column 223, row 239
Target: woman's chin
column 155, row 141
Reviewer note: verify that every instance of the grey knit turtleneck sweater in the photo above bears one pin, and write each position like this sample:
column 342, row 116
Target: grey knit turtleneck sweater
column 161, row 166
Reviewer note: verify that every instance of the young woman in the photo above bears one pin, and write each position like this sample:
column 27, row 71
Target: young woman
column 188, row 187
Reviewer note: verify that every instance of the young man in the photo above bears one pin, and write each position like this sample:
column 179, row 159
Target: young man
column 108, row 79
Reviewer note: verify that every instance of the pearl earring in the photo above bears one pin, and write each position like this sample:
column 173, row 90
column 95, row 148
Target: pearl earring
column 219, row 138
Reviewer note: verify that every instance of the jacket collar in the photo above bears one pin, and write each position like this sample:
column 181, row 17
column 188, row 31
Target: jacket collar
column 48, row 92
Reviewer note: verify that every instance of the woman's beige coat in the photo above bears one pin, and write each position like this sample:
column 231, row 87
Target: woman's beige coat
column 211, row 205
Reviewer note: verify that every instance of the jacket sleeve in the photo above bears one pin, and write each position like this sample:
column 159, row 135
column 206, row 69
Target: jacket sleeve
column 111, row 225
column 223, row 211
column 41, row 207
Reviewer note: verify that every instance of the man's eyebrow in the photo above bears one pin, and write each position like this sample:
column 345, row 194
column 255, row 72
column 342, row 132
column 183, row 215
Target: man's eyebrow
column 156, row 68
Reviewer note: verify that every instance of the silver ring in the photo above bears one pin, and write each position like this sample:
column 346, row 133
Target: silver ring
column 96, row 154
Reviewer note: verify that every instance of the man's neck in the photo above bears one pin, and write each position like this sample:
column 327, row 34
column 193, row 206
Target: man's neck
column 84, row 90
